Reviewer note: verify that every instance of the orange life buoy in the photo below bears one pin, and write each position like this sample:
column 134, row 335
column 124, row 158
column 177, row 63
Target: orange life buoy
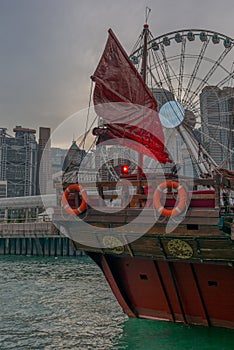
column 181, row 203
column 84, row 196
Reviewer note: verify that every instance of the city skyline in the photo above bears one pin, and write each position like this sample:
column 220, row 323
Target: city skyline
column 50, row 49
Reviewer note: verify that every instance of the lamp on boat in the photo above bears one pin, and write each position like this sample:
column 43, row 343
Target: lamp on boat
column 124, row 169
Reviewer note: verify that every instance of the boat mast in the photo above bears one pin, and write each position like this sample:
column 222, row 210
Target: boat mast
column 143, row 74
column 144, row 58
column 230, row 136
column 145, row 44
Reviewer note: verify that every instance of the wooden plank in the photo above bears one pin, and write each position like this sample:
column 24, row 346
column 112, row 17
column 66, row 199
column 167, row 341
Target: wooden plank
column 103, row 219
column 144, row 196
column 158, row 179
column 137, row 230
column 219, row 254
column 86, row 248
column 202, row 212
column 183, row 230
column 216, row 244
column 220, row 249
column 147, row 246
column 209, row 221
column 192, row 212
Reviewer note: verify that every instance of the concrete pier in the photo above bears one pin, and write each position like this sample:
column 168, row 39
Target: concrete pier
column 35, row 238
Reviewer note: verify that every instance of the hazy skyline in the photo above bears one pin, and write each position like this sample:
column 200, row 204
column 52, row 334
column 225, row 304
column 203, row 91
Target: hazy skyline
column 49, row 48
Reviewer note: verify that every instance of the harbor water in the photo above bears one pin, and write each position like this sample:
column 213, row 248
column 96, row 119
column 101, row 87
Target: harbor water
column 65, row 303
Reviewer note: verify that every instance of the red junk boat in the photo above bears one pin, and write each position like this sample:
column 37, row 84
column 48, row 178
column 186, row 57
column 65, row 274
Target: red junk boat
column 163, row 239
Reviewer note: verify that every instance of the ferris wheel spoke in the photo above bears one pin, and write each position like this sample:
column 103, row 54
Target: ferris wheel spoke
column 230, row 138
column 161, row 71
column 216, row 141
column 216, row 126
column 209, row 74
column 153, row 72
column 193, row 149
column 159, row 77
column 138, row 44
column 173, row 76
column 226, row 79
column 218, row 100
column 195, row 70
column 184, row 71
column 215, row 136
column 167, row 71
column 181, row 73
column 156, row 81
column 201, row 151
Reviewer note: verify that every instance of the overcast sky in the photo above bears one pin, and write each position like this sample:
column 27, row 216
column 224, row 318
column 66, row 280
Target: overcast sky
column 49, row 48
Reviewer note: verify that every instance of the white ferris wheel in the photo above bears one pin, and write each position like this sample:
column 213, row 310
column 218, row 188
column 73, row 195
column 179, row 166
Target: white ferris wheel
column 191, row 73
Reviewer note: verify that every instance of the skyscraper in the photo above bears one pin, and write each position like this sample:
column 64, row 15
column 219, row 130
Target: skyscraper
column 44, row 172
column 57, row 159
column 3, row 153
column 18, row 157
column 217, row 123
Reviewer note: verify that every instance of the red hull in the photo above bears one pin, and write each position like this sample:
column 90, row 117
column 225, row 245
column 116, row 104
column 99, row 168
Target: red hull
column 193, row 293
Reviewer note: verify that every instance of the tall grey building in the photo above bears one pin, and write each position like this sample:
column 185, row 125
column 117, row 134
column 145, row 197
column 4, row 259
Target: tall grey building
column 18, row 158
column 3, row 189
column 44, row 172
column 3, row 153
column 217, row 123
column 57, row 159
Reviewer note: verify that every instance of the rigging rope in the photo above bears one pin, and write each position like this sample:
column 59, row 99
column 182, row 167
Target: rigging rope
column 87, row 119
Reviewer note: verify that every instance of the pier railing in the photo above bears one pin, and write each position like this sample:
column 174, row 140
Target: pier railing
column 28, row 229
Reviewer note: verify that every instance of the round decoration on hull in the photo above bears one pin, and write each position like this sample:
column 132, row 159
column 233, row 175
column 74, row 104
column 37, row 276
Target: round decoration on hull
column 180, row 249
column 114, row 244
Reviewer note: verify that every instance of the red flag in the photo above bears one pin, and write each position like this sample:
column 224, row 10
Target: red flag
column 125, row 103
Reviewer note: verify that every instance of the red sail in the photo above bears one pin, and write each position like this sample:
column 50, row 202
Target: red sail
column 125, row 103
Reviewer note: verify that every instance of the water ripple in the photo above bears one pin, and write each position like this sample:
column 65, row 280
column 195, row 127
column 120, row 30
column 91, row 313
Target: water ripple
column 65, row 303
column 56, row 304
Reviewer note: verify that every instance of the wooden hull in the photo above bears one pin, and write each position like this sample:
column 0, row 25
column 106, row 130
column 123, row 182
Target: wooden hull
column 192, row 293
column 186, row 275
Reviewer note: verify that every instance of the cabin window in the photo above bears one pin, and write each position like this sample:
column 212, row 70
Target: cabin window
column 212, row 283
column 192, row 227
column 143, row 276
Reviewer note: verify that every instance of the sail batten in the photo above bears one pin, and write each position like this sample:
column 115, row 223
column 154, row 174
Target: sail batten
column 125, row 103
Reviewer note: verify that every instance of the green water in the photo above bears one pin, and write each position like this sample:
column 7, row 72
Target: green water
column 143, row 334
column 65, row 303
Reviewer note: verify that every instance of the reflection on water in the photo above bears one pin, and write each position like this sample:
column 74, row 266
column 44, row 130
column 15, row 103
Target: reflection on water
column 65, row 303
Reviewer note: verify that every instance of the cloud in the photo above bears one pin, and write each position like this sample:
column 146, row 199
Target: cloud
column 49, row 49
